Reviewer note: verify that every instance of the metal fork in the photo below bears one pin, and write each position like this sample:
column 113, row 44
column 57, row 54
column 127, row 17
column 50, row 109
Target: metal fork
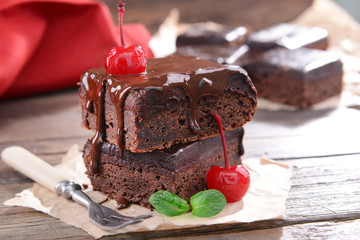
column 46, row 175
column 104, row 217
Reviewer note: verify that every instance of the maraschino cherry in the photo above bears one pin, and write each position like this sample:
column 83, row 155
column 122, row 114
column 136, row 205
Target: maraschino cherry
column 232, row 181
column 125, row 60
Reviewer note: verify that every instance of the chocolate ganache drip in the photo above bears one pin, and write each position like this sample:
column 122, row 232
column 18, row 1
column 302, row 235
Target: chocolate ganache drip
column 196, row 77
column 94, row 102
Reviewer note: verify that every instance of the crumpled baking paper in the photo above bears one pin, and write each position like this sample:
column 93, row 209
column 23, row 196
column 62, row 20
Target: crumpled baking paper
column 265, row 199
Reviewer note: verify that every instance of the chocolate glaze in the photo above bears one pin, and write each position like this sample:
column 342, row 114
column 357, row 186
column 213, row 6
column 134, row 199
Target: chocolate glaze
column 95, row 97
column 196, row 77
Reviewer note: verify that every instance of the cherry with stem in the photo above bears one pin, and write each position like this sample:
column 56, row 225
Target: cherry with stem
column 232, row 181
column 124, row 60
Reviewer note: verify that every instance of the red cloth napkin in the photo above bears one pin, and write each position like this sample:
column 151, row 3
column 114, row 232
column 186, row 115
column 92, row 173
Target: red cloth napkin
column 46, row 44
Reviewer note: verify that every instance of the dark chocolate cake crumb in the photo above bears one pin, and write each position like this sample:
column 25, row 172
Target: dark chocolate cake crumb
column 181, row 169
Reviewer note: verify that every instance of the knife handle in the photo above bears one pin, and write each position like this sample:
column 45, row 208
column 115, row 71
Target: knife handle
column 33, row 167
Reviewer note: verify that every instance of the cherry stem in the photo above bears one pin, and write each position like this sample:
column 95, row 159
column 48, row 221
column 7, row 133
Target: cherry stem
column 121, row 11
column 219, row 122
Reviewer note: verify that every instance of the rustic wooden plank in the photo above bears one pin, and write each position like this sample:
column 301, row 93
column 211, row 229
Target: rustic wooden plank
column 36, row 225
column 317, row 182
column 308, row 133
column 304, row 122
column 26, row 223
column 273, row 134
column 318, row 230
column 307, row 136
column 39, row 105
column 63, row 123
column 8, row 191
column 323, row 189
column 255, row 14
column 33, row 220
column 50, row 146
column 324, row 186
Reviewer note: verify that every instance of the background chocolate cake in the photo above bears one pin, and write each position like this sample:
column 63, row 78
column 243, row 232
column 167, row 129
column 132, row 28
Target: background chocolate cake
column 301, row 77
column 222, row 36
column 288, row 36
column 284, row 61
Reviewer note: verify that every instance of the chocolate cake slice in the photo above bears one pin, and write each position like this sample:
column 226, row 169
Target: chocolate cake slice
column 223, row 54
column 222, row 36
column 288, row 36
column 170, row 104
column 180, row 169
column 300, row 77
column 224, row 46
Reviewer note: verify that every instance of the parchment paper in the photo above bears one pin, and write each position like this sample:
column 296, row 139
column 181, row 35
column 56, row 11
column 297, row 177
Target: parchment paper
column 265, row 199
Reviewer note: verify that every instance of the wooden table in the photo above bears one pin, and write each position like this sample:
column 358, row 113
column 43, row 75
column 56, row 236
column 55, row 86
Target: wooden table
column 321, row 146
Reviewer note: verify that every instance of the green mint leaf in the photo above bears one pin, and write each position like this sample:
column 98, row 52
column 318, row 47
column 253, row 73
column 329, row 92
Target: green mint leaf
column 207, row 203
column 168, row 203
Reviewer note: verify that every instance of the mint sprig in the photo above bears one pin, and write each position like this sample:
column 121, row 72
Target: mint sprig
column 206, row 203
column 168, row 203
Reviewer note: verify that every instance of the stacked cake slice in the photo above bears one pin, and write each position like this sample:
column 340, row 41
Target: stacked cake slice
column 154, row 131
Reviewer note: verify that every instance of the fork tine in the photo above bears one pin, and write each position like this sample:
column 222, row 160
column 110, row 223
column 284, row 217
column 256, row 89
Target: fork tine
column 111, row 225
column 145, row 216
column 124, row 217
column 120, row 216
column 117, row 221
column 127, row 223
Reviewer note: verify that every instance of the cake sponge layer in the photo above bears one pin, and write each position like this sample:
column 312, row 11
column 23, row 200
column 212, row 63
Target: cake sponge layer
column 180, row 169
